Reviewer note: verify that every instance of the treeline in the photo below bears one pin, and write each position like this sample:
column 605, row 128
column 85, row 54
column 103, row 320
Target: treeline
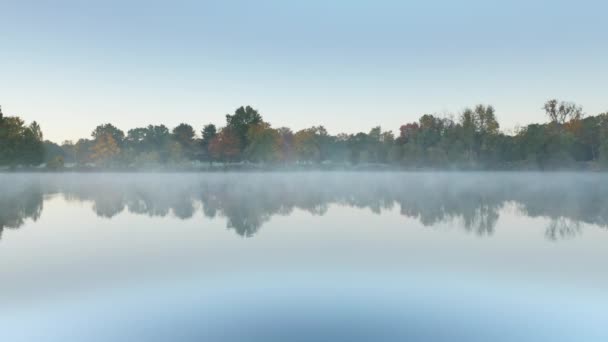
column 471, row 140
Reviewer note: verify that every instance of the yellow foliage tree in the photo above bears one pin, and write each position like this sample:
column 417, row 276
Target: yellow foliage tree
column 104, row 149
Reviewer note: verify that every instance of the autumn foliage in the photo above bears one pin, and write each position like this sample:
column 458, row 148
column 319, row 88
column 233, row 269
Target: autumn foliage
column 226, row 146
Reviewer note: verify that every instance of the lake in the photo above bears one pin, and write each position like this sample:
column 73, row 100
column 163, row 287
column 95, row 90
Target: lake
column 304, row 257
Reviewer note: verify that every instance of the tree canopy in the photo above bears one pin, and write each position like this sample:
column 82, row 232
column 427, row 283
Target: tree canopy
column 20, row 144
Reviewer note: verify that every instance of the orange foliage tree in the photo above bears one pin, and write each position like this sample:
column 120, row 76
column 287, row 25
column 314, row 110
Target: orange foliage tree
column 225, row 146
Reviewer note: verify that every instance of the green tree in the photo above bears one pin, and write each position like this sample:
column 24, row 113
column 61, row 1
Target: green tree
column 184, row 135
column 588, row 135
column 485, row 120
column 311, row 144
column 136, row 138
column 264, row 144
column 357, row 144
column 102, row 130
column 152, row 139
column 69, row 151
column 240, row 122
column 20, row 144
column 286, row 144
column 208, row 134
column 487, row 129
column 52, row 151
column 55, row 163
column 82, row 150
column 603, row 139
column 31, row 148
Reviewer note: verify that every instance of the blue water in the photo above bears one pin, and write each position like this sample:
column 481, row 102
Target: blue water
column 304, row 257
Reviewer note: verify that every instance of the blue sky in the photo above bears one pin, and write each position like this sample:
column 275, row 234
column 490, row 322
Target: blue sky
column 348, row 65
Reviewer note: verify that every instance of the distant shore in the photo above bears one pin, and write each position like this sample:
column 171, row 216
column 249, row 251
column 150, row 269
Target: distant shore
column 471, row 141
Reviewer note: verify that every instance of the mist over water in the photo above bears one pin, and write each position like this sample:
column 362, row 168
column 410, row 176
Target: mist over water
column 304, row 256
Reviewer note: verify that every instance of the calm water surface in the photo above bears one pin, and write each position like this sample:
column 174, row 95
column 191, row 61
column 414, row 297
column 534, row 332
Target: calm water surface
column 304, row 257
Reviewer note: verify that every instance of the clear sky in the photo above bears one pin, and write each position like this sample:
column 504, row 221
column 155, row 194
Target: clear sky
column 346, row 64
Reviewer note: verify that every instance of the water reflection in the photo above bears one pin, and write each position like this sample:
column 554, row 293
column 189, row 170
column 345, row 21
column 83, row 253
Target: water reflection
column 18, row 203
column 472, row 201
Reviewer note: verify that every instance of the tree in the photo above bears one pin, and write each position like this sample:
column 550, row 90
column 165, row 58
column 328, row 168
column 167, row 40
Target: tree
column 175, row 152
column 184, row 135
column 31, row 147
column 69, row 151
column 357, row 144
column 412, row 154
column 240, row 122
column 407, row 132
column 11, row 131
column 378, row 144
column 36, row 131
column 531, row 141
column 337, row 148
column 225, row 146
column 395, row 154
column 117, row 135
column 105, row 149
column 264, row 144
column 208, row 134
column 286, row 144
column 487, row 128
column 603, row 138
column 136, row 139
column 20, row 144
column 431, row 129
column 52, row 151
column 469, row 128
column 154, row 139
column 311, row 143
column 561, row 112
column 436, row 156
column 485, row 120
column 55, row 163
column 477, row 129
column 82, row 151
column 588, row 134
column 387, row 140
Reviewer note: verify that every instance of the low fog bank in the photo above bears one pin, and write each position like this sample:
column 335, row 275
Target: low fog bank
column 248, row 200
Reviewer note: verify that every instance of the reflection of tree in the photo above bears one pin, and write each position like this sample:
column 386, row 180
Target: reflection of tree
column 108, row 204
column 248, row 201
column 245, row 206
column 431, row 205
column 562, row 228
column 183, row 207
column 18, row 204
column 482, row 220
